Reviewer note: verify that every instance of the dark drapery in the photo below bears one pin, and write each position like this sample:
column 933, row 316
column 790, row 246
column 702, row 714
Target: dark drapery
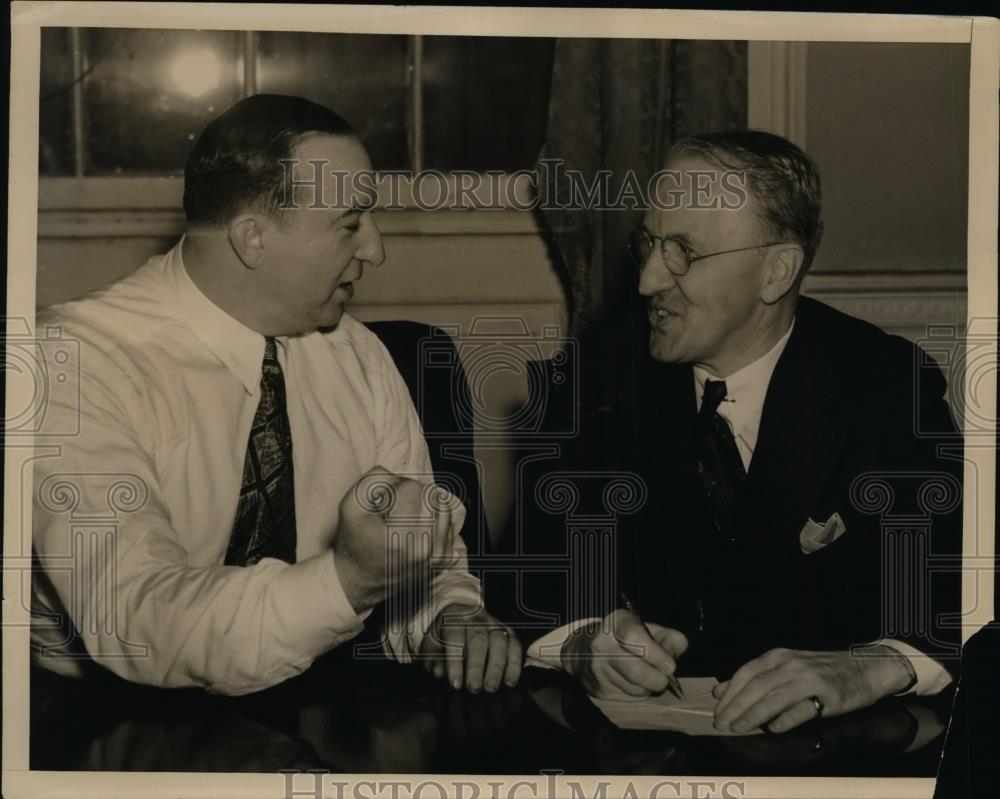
column 617, row 104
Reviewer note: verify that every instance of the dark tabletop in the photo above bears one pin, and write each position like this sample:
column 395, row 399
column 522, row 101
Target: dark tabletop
column 369, row 715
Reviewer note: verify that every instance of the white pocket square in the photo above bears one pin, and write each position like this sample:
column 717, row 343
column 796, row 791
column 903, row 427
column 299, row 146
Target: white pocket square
column 815, row 536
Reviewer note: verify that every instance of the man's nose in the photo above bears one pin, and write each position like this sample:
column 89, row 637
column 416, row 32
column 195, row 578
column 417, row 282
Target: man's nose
column 654, row 276
column 370, row 249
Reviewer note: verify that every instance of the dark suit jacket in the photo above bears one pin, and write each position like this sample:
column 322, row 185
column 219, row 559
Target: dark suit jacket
column 851, row 423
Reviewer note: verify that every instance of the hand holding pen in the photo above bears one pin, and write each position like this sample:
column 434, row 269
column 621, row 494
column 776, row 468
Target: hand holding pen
column 621, row 658
column 672, row 682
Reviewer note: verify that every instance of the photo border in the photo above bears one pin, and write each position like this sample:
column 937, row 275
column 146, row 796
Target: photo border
column 983, row 36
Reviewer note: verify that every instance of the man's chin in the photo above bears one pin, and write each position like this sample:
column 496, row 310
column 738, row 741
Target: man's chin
column 331, row 317
column 663, row 349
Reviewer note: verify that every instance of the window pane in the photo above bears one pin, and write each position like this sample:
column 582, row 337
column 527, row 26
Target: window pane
column 360, row 76
column 485, row 101
column 150, row 92
column 55, row 115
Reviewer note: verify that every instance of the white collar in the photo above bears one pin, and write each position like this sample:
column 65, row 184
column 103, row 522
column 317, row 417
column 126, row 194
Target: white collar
column 237, row 346
column 745, row 389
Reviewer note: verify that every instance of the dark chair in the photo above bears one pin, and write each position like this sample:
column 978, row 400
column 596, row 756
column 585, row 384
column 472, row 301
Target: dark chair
column 429, row 364
column 561, row 529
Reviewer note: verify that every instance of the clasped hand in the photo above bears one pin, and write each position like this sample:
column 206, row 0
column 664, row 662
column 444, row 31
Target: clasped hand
column 393, row 530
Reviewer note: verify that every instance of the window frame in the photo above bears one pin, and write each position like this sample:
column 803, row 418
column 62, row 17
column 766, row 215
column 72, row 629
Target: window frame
column 150, row 204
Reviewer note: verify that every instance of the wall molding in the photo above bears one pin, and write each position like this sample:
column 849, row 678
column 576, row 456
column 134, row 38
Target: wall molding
column 776, row 88
column 493, row 191
column 151, row 206
column 904, row 312
column 505, row 246
column 169, row 222
column 883, row 282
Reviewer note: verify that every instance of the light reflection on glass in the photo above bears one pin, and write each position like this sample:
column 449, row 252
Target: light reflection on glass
column 195, row 72
column 150, row 92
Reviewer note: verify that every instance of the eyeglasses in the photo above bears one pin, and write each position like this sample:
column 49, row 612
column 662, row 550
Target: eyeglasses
column 677, row 256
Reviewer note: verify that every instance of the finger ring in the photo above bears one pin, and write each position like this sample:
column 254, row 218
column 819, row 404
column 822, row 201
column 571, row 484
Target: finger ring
column 820, row 707
column 503, row 630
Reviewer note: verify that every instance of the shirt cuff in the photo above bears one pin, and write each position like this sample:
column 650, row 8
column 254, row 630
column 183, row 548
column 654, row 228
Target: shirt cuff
column 546, row 652
column 403, row 637
column 929, row 726
column 318, row 586
column 932, row 677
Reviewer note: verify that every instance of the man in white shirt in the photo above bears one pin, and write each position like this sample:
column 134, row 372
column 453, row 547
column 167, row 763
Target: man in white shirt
column 755, row 426
column 249, row 450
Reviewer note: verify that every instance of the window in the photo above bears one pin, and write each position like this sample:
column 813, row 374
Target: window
column 130, row 101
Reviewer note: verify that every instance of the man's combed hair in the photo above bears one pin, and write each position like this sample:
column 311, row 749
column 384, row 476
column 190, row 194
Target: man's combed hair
column 236, row 163
column 783, row 180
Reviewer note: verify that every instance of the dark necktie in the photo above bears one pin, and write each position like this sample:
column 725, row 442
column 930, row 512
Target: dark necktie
column 719, row 464
column 265, row 514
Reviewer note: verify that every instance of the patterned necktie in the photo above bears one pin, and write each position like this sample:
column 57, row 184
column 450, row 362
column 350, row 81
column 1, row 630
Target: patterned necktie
column 720, row 467
column 265, row 514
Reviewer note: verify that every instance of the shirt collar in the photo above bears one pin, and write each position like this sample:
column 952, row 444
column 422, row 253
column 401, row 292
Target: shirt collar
column 238, row 347
column 745, row 389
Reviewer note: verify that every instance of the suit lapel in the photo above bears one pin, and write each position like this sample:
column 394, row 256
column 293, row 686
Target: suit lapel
column 802, row 429
column 801, row 432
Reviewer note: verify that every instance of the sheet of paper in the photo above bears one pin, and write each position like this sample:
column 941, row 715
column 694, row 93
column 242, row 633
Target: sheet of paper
column 693, row 715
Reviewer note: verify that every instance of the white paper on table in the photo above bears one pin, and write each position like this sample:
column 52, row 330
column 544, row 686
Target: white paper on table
column 693, row 715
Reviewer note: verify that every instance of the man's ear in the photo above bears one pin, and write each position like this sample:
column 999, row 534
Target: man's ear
column 783, row 267
column 246, row 235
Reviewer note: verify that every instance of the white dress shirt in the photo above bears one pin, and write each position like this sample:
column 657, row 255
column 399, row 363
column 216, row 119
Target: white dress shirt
column 742, row 409
column 745, row 392
column 168, row 391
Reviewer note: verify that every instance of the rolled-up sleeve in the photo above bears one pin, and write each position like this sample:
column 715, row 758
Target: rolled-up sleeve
column 103, row 535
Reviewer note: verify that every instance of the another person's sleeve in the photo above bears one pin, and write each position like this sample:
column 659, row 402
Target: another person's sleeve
column 921, row 458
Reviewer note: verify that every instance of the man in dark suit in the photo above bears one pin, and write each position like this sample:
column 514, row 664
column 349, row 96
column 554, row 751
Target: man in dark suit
column 776, row 437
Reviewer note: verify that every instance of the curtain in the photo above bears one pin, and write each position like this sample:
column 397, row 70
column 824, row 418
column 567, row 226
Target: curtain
column 616, row 105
